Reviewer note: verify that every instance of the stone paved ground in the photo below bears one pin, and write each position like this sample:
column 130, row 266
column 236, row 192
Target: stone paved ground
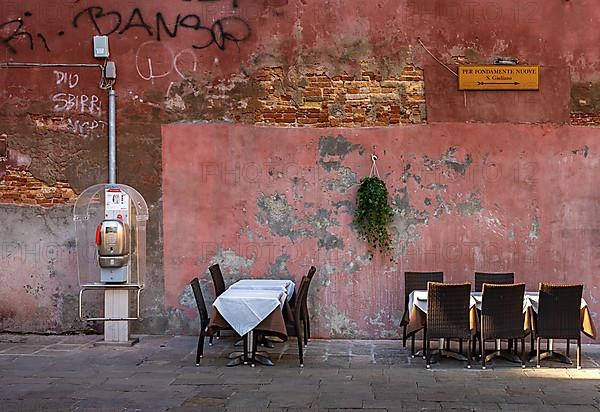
column 56, row 373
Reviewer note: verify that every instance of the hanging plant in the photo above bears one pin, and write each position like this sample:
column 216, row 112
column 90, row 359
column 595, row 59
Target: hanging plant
column 373, row 213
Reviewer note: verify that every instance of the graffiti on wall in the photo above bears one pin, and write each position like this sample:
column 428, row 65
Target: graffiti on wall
column 206, row 29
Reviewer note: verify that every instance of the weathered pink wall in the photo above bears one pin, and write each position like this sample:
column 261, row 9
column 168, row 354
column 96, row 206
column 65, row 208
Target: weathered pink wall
column 270, row 202
column 275, row 60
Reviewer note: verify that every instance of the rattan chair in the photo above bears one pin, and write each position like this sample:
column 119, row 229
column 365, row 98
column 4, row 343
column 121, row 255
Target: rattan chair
column 559, row 317
column 448, row 307
column 204, row 319
column 415, row 281
column 295, row 326
column 502, row 317
column 494, row 278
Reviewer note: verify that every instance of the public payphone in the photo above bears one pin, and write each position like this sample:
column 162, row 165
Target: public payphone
column 110, row 225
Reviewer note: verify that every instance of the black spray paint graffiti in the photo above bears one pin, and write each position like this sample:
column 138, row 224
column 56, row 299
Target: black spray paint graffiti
column 231, row 28
column 15, row 32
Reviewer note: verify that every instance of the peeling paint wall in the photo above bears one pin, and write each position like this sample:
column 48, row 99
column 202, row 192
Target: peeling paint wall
column 462, row 203
column 292, row 63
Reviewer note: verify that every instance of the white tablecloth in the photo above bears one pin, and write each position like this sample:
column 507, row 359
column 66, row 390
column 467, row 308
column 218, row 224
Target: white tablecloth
column 286, row 286
column 530, row 300
column 244, row 308
column 418, row 298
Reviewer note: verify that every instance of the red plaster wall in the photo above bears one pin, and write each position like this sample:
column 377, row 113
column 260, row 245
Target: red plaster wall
column 282, row 72
column 501, row 198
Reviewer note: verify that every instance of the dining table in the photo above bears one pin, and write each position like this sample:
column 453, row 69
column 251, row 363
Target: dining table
column 251, row 307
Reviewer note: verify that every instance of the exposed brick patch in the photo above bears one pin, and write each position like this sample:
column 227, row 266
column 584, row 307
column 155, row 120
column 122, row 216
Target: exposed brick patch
column 19, row 186
column 318, row 100
column 585, row 119
column 585, row 104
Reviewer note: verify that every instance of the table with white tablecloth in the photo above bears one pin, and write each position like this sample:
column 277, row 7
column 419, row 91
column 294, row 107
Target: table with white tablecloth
column 253, row 305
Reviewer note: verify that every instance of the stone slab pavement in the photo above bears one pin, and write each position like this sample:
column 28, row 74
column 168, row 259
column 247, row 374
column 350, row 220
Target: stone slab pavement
column 70, row 373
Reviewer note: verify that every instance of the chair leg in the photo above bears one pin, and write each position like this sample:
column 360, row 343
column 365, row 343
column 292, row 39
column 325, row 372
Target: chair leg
column 523, row 354
column 305, row 324
column 578, row 353
column 482, row 352
column 468, row 352
column 424, row 338
column 412, row 345
column 210, row 339
column 404, row 338
column 568, row 347
column 308, row 326
column 538, row 352
column 200, row 349
column 460, row 346
column 427, row 351
column 300, row 346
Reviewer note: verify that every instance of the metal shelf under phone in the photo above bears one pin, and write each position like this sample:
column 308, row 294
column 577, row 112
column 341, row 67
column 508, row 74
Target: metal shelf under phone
column 106, row 286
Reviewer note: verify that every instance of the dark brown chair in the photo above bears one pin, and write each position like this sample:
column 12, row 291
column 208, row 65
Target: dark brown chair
column 494, row 278
column 502, row 317
column 204, row 319
column 448, row 316
column 295, row 326
column 305, row 314
column 415, row 281
column 218, row 283
column 559, row 317
column 217, row 278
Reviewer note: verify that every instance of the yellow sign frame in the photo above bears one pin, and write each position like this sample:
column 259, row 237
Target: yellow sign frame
column 499, row 77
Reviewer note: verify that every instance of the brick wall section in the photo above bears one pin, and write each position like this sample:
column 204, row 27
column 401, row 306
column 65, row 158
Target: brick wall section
column 319, row 100
column 19, row 186
column 585, row 119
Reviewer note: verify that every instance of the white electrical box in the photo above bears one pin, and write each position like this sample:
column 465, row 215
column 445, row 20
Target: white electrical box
column 101, row 47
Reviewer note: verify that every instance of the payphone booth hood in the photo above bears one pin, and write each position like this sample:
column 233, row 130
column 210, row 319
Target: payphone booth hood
column 89, row 213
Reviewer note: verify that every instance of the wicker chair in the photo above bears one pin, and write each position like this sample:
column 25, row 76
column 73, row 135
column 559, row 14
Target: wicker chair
column 494, row 278
column 295, row 327
column 415, row 281
column 448, row 316
column 204, row 319
column 502, row 317
column 559, row 317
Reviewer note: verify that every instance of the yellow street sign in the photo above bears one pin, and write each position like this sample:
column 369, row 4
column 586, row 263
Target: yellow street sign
column 499, row 77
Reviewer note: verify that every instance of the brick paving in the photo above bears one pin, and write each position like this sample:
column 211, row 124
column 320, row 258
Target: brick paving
column 56, row 373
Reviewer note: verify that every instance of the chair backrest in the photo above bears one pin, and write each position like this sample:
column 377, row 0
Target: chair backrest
column 195, row 283
column 309, row 276
column 495, row 278
column 448, row 310
column 301, row 299
column 559, row 311
column 311, row 272
column 217, row 278
column 418, row 281
column 502, row 310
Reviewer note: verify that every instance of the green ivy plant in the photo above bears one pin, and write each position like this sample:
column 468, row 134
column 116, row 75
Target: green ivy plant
column 373, row 213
